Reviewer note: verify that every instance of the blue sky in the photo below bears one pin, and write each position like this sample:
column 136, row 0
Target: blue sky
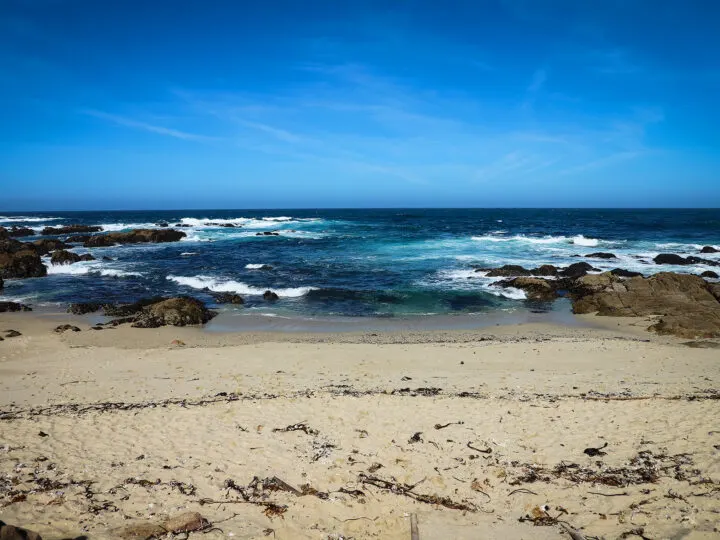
column 119, row 104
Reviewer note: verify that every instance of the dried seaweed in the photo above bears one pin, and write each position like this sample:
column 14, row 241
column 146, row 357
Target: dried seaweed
column 302, row 426
column 407, row 491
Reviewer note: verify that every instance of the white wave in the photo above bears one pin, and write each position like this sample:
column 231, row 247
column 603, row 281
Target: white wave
column 26, row 219
column 580, row 240
column 188, row 253
column 508, row 292
column 83, row 268
column 215, row 285
column 279, row 218
column 255, row 266
column 115, row 227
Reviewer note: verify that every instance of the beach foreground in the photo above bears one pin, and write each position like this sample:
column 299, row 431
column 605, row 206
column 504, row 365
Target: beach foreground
column 348, row 435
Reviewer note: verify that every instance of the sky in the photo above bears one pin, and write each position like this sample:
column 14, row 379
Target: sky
column 126, row 104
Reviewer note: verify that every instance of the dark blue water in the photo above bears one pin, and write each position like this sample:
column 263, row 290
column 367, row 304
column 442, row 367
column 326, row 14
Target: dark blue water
column 385, row 263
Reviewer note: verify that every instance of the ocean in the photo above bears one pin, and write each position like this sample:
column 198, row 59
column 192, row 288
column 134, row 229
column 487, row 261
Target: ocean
column 384, row 263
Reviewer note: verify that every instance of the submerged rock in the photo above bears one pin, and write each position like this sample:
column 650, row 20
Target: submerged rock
column 267, row 233
column 70, row 229
column 136, row 236
column 709, row 249
column 687, row 305
column 672, row 258
column 709, row 274
column 229, row 298
column 270, row 296
column 620, row 272
column 601, row 255
column 181, row 311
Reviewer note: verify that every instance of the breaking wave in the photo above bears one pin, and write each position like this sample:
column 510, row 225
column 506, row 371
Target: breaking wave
column 216, row 285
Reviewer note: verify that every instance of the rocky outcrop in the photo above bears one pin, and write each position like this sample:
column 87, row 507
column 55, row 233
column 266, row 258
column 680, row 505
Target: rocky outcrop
column 672, row 258
column 17, row 232
column 6, row 307
column 509, row 270
column 46, row 245
column 182, row 311
column 710, row 274
column 601, row 255
column 621, row 272
column 229, row 298
column 78, row 238
column 70, row 229
column 128, row 310
column 576, row 270
column 62, row 256
column 544, row 270
column 136, row 236
column 687, row 305
column 19, row 260
column 534, row 288
column 83, row 308
column 709, row 249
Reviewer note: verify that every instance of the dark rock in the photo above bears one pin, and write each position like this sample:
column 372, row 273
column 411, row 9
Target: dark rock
column 106, row 258
column 687, row 305
column 229, row 226
column 66, row 328
column 79, row 238
column 181, row 225
column 126, row 310
column 62, row 256
column 509, row 270
column 576, row 270
column 544, row 270
column 709, row 249
column 17, row 232
column 229, row 298
column 534, row 288
column 180, row 311
column 601, row 255
column 709, row 274
column 70, row 229
column 9, row 532
column 12, row 307
column 20, row 260
column 267, row 233
column 83, row 308
column 45, row 246
column 186, row 522
column 136, row 236
column 12, row 334
column 86, row 257
column 162, row 224
column 2, row 283
column 620, row 272
column 672, row 258
column 270, row 296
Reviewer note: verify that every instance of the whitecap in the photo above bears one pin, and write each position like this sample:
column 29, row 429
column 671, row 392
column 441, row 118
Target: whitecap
column 580, row 240
column 26, row 219
column 216, row 285
column 255, row 266
column 508, row 292
column 83, row 268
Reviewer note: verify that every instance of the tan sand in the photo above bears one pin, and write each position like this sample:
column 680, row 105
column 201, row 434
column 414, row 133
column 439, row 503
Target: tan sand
column 126, row 408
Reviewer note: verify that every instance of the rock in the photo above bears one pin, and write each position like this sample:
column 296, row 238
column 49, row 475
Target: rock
column 17, row 232
column 62, row 256
column 185, row 523
column 709, row 249
column 86, row 257
column 619, row 272
column 136, row 236
column 83, row 308
column 141, row 531
column 672, row 258
column 229, row 298
column 106, row 258
column 544, row 270
column 601, row 255
column 12, row 334
column 535, row 288
column 20, row 260
column 47, row 245
column 687, row 304
column 709, row 274
column 270, row 296
column 267, row 233
column 70, row 229
column 66, row 328
column 13, row 307
column 576, row 270
column 508, row 270
column 181, row 311
column 229, row 226
column 10, row 532
column 2, row 283
column 127, row 310
column 181, row 225
column 79, row 238
column 162, row 224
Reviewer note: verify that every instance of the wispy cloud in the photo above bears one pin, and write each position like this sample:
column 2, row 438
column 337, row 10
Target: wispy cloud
column 152, row 128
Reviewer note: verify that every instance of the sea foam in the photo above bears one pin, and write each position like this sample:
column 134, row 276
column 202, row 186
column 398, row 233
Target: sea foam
column 216, row 285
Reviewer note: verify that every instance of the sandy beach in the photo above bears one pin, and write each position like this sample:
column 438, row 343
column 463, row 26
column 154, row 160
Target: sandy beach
column 479, row 434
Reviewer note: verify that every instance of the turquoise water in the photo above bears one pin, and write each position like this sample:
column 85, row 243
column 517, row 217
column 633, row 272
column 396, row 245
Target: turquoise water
column 358, row 263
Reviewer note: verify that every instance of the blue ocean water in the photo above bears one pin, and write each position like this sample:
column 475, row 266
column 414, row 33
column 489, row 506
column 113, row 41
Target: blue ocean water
column 380, row 263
